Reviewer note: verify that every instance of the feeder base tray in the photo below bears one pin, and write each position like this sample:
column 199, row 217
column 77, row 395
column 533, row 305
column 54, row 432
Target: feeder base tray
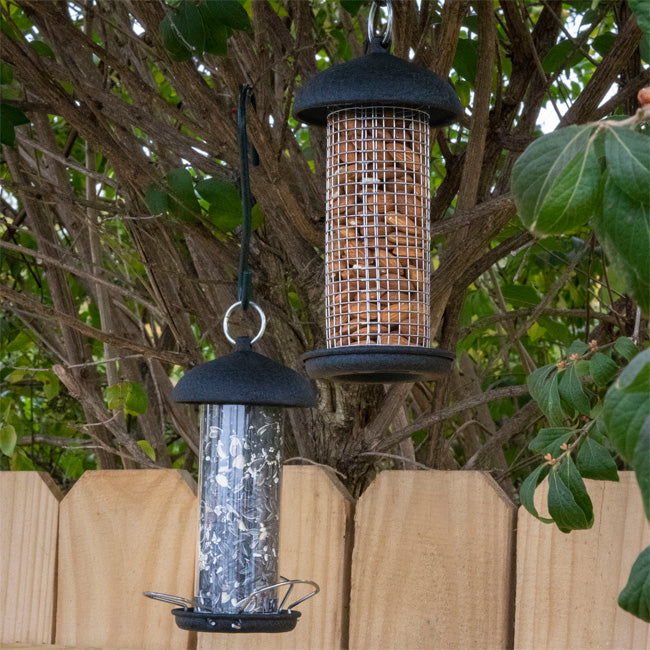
column 378, row 364
column 282, row 621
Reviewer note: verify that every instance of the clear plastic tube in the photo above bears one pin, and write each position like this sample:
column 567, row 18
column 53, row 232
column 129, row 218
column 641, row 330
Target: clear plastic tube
column 239, row 506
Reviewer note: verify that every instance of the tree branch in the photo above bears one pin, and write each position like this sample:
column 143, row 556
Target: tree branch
column 446, row 413
column 519, row 422
column 49, row 313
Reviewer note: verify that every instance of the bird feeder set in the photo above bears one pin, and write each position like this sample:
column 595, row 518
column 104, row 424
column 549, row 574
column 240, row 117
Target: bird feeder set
column 379, row 111
column 242, row 398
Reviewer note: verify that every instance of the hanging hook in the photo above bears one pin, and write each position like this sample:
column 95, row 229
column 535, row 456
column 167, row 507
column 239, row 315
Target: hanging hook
column 387, row 35
column 243, row 292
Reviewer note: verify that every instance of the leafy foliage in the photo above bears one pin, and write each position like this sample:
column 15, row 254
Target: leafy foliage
column 560, row 184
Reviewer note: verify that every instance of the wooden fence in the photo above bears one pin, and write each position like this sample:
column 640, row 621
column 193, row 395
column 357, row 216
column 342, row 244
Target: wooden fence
column 421, row 560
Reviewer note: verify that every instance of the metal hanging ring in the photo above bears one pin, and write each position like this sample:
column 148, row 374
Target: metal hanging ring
column 387, row 36
column 258, row 336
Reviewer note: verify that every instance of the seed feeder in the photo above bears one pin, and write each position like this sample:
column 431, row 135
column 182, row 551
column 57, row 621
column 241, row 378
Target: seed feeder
column 378, row 110
column 242, row 397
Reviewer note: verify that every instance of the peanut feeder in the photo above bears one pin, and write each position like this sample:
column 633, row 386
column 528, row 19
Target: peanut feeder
column 378, row 111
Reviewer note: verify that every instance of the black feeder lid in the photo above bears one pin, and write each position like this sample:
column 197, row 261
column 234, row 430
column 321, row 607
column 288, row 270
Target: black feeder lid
column 378, row 78
column 378, row 364
column 282, row 621
column 244, row 377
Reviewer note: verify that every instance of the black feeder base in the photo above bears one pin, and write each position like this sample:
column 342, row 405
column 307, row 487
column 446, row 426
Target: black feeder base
column 282, row 621
column 378, row 364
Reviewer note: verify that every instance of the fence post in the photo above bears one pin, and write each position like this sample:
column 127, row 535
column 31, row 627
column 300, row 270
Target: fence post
column 432, row 562
column 29, row 512
column 315, row 543
column 123, row 532
column 568, row 585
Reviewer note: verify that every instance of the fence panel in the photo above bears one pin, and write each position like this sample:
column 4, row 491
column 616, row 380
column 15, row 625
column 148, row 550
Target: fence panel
column 568, row 585
column 122, row 532
column 314, row 544
column 432, row 562
column 29, row 513
column 431, row 565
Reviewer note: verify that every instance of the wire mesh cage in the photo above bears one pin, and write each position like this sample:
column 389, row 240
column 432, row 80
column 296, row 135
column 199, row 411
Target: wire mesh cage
column 378, row 110
column 377, row 234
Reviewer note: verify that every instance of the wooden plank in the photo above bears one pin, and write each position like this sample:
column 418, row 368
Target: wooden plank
column 568, row 585
column 432, row 562
column 122, row 533
column 40, row 646
column 314, row 544
column 29, row 513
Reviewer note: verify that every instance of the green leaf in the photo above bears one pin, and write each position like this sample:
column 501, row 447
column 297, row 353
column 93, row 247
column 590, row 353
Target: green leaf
column 623, row 229
column 562, row 56
column 556, row 180
column 603, row 43
column 628, row 162
column 182, row 201
column 51, row 384
column 626, row 348
column 352, row 6
column 147, row 448
column 16, row 376
column 582, row 367
column 527, row 491
column 543, row 386
column 602, row 369
column 222, row 193
column 536, row 332
column 10, row 118
column 156, row 199
column 6, row 73
column 20, row 462
column 127, row 396
column 477, row 304
column 550, row 440
column 626, row 411
column 556, row 331
column 520, row 295
column 173, row 38
column 216, row 32
column 568, row 502
column 230, row 13
column 594, row 461
column 43, row 49
column 577, row 347
column 21, row 343
column 635, row 597
column 225, row 205
column 465, row 59
column 8, row 439
column 571, row 391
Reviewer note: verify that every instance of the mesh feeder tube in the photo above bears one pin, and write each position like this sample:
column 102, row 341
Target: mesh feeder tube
column 378, row 111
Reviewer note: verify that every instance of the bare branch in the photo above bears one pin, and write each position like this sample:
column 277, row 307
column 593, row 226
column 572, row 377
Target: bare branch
column 450, row 411
column 49, row 313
